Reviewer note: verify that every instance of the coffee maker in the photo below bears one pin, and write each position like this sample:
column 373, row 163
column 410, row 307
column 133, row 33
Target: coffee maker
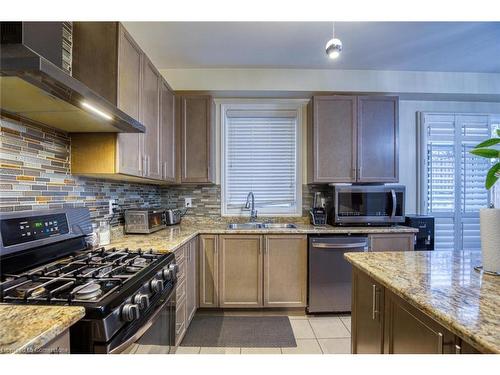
column 318, row 211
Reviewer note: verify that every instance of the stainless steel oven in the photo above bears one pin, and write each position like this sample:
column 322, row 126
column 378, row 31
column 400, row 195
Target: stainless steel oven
column 153, row 335
column 368, row 205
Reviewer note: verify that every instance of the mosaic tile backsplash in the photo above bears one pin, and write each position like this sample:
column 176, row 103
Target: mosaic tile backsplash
column 35, row 173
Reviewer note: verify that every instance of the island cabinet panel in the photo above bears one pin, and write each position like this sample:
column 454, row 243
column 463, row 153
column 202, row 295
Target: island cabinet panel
column 197, row 139
column 392, row 242
column 367, row 315
column 208, row 271
column 410, row 331
column 332, row 139
column 377, row 139
column 240, row 276
column 285, row 271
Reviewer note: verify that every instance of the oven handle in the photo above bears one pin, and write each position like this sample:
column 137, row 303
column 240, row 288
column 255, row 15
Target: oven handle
column 120, row 348
column 394, row 202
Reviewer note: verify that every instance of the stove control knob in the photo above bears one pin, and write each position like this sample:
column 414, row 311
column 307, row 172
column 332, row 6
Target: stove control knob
column 142, row 300
column 169, row 272
column 130, row 312
column 156, row 285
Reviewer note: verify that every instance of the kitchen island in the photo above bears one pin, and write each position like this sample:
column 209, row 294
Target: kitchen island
column 423, row 302
column 37, row 329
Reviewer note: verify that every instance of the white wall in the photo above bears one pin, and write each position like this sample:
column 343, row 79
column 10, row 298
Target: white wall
column 408, row 137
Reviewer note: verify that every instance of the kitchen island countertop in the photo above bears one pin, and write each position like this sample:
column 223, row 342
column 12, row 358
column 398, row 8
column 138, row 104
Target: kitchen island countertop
column 445, row 286
column 27, row 329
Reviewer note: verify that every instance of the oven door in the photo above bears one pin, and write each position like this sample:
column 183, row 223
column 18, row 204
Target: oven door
column 156, row 335
column 369, row 205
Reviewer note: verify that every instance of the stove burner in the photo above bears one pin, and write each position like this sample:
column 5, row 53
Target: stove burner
column 139, row 262
column 96, row 259
column 34, row 286
column 133, row 269
column 88, row 291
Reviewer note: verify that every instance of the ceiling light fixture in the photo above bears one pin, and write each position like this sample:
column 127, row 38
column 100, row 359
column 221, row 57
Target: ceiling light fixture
column 334, row 45
column 96, row 110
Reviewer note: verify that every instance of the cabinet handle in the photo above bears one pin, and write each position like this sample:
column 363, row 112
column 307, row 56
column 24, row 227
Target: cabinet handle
column 374, row 301
column 458, row 349
column 440, row 343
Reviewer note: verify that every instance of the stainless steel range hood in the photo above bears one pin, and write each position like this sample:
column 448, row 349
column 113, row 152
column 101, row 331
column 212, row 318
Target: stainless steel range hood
column 33, row 88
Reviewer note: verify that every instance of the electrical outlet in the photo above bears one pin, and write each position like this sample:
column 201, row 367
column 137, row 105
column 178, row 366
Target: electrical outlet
column 112, row 204
column 188, row 202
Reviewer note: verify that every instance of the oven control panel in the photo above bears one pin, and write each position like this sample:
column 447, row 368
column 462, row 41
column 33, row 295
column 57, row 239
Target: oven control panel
column 26, row 229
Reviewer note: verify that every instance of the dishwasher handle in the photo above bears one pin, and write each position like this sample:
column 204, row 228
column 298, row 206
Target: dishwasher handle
column 353, row 245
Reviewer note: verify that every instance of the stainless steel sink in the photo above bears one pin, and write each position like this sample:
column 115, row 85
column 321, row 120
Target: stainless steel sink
column 279, row 226
column 261, row 226
column 244, row 226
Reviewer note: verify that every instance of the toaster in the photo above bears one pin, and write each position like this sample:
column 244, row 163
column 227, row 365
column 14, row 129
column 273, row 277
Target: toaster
column 173, row 217
column 144, row 220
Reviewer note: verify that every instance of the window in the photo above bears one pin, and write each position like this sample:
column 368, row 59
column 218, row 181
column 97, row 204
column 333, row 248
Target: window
column 261, row 153
column 451, row 179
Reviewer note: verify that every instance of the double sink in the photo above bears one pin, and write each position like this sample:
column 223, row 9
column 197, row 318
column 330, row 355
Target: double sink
column 261, row 226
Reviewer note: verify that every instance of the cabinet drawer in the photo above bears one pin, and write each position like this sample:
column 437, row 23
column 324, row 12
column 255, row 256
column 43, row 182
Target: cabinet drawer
column 180, row 254
column 181, row 272
column 180, row 321
column 180, row 291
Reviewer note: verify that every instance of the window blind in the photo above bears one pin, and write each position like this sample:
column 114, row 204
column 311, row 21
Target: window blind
column 454, row 178
column 261, row 156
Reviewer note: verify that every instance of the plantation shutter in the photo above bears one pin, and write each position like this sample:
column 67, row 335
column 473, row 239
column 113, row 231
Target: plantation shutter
column 261, row 156
column 454, row 178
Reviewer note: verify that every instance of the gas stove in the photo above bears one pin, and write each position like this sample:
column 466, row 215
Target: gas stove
column 123, row 290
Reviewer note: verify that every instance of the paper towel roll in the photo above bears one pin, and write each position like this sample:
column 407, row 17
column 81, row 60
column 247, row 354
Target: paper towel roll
column 490, row 238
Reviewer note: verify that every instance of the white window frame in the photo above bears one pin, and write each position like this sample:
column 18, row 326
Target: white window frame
column 296, row 105
column 494, row 194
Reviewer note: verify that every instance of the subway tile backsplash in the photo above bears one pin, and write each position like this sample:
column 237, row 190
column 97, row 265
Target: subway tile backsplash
column 35, row 174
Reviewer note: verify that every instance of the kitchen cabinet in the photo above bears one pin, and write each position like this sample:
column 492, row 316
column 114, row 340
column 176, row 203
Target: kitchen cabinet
column 240, row 275
column 366, row 315
column 197, row 137
column 392, row 242
column 285, row 271
column 384, row 323
column 208, row 271
column 353, row 139
column 58, row 345
column 127, row 78
column 191, row 279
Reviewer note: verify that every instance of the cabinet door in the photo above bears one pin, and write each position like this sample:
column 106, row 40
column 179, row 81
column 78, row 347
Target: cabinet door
column 333, row 148
column 378, row 139
column 129, row 160
column 367, row 321
column 410, row 331
column 150, row 105
column 209, row 271
column 391, row 242
column 167, row 131
column 240, row 265
column 285, row 271
column 196, row 139
column 191, row 280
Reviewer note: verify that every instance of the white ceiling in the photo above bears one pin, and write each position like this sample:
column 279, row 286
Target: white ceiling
column 414, row 46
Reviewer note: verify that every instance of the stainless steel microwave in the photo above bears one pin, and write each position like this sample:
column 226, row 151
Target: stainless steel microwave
column 368, row 205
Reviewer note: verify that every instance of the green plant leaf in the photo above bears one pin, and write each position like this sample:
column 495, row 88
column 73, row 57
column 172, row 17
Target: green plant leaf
column 489, row 142
column 492, row 176
column 485, row 152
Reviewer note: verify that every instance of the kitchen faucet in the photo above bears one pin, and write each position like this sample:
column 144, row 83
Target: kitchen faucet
column 253, row 211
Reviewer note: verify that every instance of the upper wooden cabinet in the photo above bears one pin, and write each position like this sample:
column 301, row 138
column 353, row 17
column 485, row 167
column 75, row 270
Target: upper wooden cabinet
column 197, row 137
column 353, row 139
column 109, row 61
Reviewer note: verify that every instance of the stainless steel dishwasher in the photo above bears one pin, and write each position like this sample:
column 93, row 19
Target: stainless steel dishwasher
column 330, row 274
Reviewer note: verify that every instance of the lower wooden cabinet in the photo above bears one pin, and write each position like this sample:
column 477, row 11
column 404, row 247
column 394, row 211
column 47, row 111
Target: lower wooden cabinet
column 367, row 328
column 191, row 279
column 285, row 271
column 384, row 323
column 245, row 271
column 208, row 271
column 392, row 242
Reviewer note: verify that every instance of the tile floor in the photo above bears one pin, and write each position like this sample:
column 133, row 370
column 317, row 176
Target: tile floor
column 314, row 335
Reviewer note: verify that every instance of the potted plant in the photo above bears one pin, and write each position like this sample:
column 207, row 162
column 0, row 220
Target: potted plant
column 489, row 218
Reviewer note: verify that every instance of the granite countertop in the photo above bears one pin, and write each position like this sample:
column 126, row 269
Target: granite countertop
column 445, row 286
column 26, row 329
column 171, row 238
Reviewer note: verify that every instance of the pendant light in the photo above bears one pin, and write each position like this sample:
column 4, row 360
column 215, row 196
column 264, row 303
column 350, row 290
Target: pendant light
column 334, row 45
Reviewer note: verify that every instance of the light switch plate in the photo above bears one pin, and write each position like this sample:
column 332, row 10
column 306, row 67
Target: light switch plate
column 188, row 202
